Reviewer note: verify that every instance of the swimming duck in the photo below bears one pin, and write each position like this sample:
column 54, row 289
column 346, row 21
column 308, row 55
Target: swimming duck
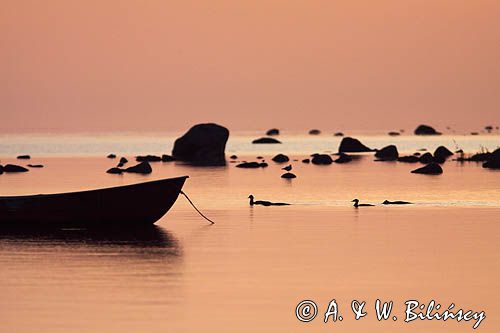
column 287, row 168
column 265, row 203
column 397, row 202
column 357, row 204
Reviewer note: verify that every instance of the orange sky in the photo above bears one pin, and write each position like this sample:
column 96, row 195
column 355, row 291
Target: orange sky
column 164, row 65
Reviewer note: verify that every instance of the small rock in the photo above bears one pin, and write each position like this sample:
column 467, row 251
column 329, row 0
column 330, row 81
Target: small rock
column 280, row 158
column 426, row 158
column 429, row 169
column 273, row 131
column 408, row 159
column 23, row 157
column 426, row 130
column 167, row 158
column 148, row 158
column 142, row 168
column 35, row 165
column 288, row 175
column 338, row 134
column 263, row 164
column 249, row 165
column 115, row 171
column 314, row 132
column 111, row 156
column 233, row 157
column 321, row 159
column 474, row 133
column 306, row 160
column 259, row 157
column 123, row 160
column 265, row 140
column 493, row 161
column 14, row 168
column 394, row 133
column 388, row 153
column 351, row 145
column 343, row 158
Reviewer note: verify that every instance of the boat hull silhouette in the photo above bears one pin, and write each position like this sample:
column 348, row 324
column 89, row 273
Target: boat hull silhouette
column 143, row 203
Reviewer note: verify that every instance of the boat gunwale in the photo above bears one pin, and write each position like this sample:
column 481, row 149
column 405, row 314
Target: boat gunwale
column 94, row 190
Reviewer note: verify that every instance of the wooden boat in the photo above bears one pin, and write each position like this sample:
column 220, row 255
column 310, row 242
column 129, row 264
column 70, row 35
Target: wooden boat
column 143, row 203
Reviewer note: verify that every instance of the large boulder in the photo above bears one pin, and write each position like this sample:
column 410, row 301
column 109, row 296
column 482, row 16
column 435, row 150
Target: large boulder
column 442, row 153
column 429, row 169
column 351, row 145
column 321, row 159
column 388, row 153
column 273, row 131
column 493, row 161
column 265, row 140
column 203, row 144
column 426, row 130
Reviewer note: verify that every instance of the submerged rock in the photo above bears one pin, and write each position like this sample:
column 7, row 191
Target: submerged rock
column 14, row 168
column 321, row 159
column 343, row 158
column 388, row 153
column 429, row 169
column 288, row 175
column 351, row 145
column 394, row 133
column 23, row 157
column 265, row 140
column 426, row 130
column 493, row 161
column 203, row 144
column 280, row 158
column 273, row 131
column 142, row 168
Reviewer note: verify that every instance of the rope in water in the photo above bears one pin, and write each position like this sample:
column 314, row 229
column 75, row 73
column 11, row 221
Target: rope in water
column 192, row 204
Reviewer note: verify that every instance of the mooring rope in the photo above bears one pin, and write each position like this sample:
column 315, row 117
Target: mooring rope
column 192, row 204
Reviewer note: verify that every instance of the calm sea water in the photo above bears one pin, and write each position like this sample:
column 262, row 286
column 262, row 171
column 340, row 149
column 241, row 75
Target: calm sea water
column 250, row 270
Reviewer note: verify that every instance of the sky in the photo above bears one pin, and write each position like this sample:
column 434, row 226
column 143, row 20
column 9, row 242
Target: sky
column 147, row 65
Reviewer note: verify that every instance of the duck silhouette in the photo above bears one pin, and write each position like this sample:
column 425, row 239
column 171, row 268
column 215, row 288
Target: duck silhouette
column 287, row 168
column 397, row 202
column 357, row 204
column 265, row 203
